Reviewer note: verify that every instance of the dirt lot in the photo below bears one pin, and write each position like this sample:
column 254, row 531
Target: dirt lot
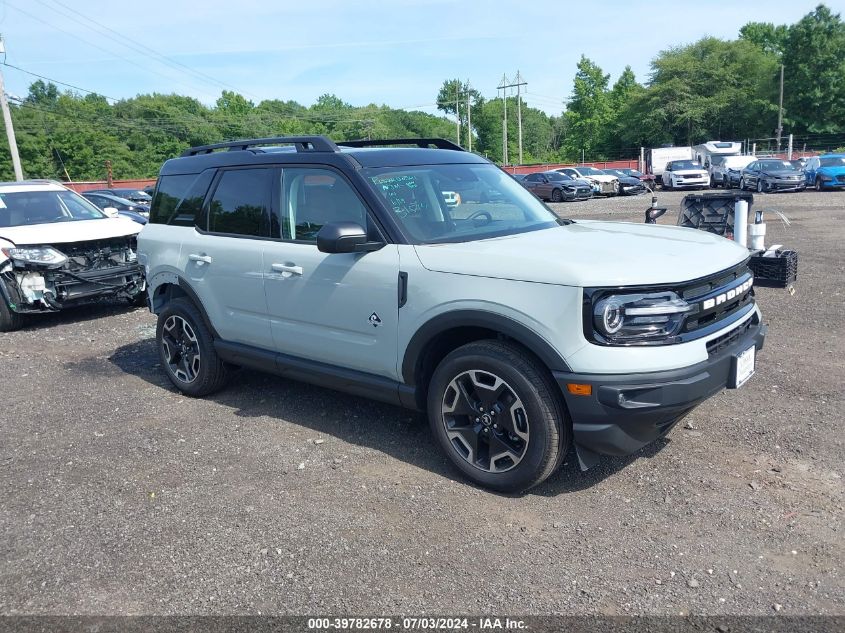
column 120, row 496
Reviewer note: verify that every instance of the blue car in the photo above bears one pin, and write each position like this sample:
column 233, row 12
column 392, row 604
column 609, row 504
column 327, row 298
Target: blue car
column 826, row 171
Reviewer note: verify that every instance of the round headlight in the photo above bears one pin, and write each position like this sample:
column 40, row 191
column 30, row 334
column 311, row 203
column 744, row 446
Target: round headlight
column 612, row 316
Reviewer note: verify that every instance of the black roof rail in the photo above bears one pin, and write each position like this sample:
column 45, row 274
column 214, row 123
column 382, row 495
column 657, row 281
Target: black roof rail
column 439, row 143
column 315, row 143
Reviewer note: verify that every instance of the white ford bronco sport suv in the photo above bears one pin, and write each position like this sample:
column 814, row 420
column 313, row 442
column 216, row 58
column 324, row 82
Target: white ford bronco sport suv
column 518, row 332
column 57, row 250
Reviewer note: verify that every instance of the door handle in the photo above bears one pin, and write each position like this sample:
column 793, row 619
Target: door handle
column 287, row 268
column 200, row 259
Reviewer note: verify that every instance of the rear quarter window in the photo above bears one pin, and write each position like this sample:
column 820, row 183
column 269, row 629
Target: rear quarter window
column 178, row 199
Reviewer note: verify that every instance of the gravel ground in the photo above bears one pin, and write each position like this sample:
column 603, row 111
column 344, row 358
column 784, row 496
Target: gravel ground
column 121, row 496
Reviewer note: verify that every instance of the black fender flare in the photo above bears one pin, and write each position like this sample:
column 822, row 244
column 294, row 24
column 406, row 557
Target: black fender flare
column 173, row 279
column 415, row 350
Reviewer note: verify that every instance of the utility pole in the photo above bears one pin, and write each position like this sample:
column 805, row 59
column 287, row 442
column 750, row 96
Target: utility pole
column 503, row 87
column 517, row 82
column 780, row 108
column 458, row 110
column 469, row 117
column 109, row 178
column 7, row 119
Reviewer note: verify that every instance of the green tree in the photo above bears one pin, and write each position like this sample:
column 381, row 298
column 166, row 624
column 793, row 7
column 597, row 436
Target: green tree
column 589, row 111
column 765, row 35
column 814, row 73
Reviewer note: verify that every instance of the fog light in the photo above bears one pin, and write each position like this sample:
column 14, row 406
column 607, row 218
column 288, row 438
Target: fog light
column 32, row 286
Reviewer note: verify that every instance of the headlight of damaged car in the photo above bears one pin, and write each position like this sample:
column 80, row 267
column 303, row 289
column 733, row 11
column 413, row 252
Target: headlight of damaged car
column 637, row 319
column 39, row 255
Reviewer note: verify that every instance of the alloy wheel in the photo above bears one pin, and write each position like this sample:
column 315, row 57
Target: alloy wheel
column 181, row 349
column 485, row 421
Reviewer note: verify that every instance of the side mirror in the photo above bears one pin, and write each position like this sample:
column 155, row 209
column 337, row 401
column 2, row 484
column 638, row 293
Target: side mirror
column 344, row 237
column 110, row 211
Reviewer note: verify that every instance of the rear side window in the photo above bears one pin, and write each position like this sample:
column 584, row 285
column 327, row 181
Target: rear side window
column 241, row 203
column 178, row 199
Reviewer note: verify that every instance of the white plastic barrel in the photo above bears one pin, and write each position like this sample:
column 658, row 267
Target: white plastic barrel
column 741, row 222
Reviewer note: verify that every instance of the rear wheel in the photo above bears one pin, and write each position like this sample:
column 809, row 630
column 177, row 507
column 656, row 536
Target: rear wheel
column 495, row 412
column 186, row 349
column 556, row 195
column 9, row 319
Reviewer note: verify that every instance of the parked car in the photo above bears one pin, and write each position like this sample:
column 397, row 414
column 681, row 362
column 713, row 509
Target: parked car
column 106, row 201
column 554, row 186
column 603, row 184
column 729, row 171
column 826, row 171
column 648, row 179
column 628, row 185
column 799, row 163
column 517, row 332
column 138, row 196
column 685, row 174
column 149, row 190
column 58, row 250
column 772, row 174
column 451, row 198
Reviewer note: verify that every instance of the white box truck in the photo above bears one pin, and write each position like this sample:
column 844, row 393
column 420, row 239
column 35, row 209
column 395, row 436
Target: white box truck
column 712, row 154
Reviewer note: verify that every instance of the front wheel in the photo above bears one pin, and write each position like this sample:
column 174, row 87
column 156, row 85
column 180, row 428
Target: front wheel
column 495, row 412
column 761, row 186
column 818, row 184
column 556, row 195
column 726, row 183
column 186, row 349
column 742, row 184
column 9, row 319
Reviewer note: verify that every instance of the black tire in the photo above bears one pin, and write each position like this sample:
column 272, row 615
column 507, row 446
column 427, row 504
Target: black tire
column 9, row 319
column 818, row 184
column 556, row 196
column 535, row 406
column 726, row 183
column 761, row 186
column 139, row 300
column 203, row 372
column 742, row 184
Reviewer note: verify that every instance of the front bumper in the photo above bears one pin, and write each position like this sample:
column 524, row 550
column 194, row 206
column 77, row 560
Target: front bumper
column 580, row 193
column 775, row 184
column 625, row 412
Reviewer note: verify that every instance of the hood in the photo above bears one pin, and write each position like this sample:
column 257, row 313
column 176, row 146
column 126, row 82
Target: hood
column 832, row 170
column 590, row 253
column 67, row 232
column 781, row 173
column 600, row 178
column 629, row 180
column 578, row 182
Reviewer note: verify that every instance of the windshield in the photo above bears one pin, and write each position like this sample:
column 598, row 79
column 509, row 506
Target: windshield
column 491, row 203
column 776, row 165
column 591, row 171
column 833, row 161
column 684, row 164
column 631, row 172
column 45, row 207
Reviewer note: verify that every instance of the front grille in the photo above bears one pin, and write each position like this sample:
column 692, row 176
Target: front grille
column 728, row 338
column 98, row 254
column 717, row 288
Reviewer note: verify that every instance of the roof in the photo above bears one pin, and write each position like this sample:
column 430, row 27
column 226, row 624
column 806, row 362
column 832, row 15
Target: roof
column 31, row 185
column 320, row 150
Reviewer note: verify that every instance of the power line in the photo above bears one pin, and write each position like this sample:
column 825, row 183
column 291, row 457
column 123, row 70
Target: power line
column 56, row 81
column 140, row 47
column 97, row 46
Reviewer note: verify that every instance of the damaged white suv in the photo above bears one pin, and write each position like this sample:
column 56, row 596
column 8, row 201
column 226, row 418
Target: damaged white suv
column 58, row 250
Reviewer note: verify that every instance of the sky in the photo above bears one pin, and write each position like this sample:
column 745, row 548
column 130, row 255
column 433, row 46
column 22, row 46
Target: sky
column 396, row 52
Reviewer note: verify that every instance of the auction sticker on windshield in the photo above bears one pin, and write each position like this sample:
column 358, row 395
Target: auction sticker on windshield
column 744, row 367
